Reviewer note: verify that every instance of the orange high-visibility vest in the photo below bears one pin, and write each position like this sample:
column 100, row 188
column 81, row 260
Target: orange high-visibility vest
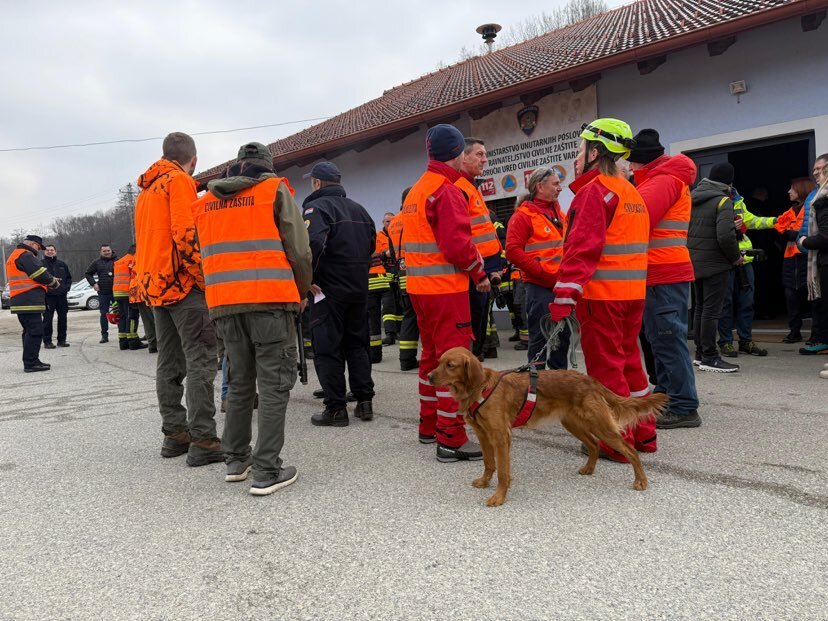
column 19, row 281
column 545, row 245
column 122, row 269
column 429, row 272
column 483, row 232
column 242, row 254
column 668, row 239
column 622, row 269
column 380, row 246
column 791, row 249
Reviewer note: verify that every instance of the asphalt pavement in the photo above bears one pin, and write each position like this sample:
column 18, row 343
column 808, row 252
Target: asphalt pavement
column 94, row 524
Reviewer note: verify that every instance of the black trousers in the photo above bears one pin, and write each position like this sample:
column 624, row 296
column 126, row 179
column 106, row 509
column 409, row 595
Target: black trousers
column 339, row 331
column 105, row 300
column 391, row 312
column 32, row 337
column 59, row 305
column 479, row 310
column 409, row 330
column 375, row 325
column 710, row 294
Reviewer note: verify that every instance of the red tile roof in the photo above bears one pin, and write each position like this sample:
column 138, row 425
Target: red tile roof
column 643, row 27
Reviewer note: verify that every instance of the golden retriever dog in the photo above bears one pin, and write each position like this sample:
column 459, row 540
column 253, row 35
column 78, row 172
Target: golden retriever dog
column 583, row 406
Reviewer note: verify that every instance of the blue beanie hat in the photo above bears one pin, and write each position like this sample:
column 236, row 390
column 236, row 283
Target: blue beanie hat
column 444, row 142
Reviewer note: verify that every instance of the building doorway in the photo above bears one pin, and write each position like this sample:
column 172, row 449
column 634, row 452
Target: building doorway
column 764, row 171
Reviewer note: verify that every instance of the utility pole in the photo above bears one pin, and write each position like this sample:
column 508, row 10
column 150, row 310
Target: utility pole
column 130, row 196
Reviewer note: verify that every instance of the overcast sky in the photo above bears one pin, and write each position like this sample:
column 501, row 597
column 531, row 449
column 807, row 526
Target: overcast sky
column 94, row 71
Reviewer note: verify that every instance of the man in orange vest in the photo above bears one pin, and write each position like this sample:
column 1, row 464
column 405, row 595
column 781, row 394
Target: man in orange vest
column 28, row 282
column 440, row 258
column 168, row 271
column 257, row 269
column 378, row 288
column 409, row 332
column 484, row 237
column 128, row 312
column 605, row 263
column 391, row 311
column 664, row 184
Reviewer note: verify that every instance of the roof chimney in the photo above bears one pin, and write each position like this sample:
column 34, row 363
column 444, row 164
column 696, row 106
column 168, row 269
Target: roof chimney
column 489, row 32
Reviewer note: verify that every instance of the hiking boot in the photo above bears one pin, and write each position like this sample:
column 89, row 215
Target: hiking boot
column 238, row 470
column 717, row 365
column 813, row 350
column 287, row 475
column 123, row 344
column 39, row 366
column 63, row 344
column 48, row 345
column 364, row 410
column 671, row 420
column 750, row 347
column 319, row 394
column 104, row 338
column 135, row 344
column 376, row 358
column 792, row 338
column 409, row 365
column 204, row 451
column 43, row 364
column 490, row 354
column 175, row 444
column 389, row 339
column 515, row 337
column 427, row 439
column 328, row 418
column 521, row 346
column 152, row 350
column 728, row 351
column 468, row 452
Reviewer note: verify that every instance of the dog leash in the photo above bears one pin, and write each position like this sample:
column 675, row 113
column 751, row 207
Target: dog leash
column 552, row 332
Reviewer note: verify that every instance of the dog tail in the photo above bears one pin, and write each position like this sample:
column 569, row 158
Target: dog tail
column 630, row 410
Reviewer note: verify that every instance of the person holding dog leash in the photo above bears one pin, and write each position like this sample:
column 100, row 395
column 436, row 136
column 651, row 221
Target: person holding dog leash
column 604, row 270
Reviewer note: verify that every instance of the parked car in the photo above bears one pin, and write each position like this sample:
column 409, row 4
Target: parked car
column 81, row 295
column 5, row 297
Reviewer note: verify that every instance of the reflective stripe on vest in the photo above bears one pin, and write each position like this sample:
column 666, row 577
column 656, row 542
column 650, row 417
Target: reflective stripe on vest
column 428, row 271
column 20, row 281
column 120, row 282
column 545, row 244
column 668, row 239
column 483, row 232
column 621, row 273
column 242, row 254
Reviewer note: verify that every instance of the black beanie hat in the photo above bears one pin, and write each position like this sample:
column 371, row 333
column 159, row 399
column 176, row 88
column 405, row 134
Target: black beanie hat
column 444, row 142
column 723, row 173
column 648, row 147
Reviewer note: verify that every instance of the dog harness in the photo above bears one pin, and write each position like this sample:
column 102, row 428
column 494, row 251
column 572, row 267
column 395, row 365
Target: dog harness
column 529, row 401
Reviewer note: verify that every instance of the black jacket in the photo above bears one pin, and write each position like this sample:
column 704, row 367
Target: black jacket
column 820, row 240
column 342, row 238
column 58, row 269
column 712, row 237
column 105, row 270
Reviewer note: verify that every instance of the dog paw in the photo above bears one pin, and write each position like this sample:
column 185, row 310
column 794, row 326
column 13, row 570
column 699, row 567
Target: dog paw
column 640, row 485
column 586, row 470
column 481, row 482
column 495, row 500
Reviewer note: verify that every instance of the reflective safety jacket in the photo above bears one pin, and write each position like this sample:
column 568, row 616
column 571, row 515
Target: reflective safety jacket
column 605, row 252
column 751, row 222
column 242, row 254
column 377, row 276
column 434, row 199
column 534, row 241
column 483, row 232
column 28, row 280
column 120, row 285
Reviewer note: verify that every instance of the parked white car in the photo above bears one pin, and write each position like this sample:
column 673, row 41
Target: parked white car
column 81, row 295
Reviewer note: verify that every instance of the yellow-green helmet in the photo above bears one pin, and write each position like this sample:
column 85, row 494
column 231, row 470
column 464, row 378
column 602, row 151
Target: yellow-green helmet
column 616, row 135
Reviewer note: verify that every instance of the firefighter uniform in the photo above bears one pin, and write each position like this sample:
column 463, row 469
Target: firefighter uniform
column 129, row 312
column 378, row 288
column 28, row 281
column 409, row 331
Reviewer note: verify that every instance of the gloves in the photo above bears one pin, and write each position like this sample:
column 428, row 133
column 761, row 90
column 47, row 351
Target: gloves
column 55, row 283
column 783, row 221
column 560, row 311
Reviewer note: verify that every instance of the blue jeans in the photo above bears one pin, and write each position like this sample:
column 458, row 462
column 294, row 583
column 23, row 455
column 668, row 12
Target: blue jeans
column 538, row 300
column 665, row 325
column 742, row 299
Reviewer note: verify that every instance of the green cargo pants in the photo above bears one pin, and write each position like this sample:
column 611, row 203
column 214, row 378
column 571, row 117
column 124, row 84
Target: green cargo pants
column 186, row 349
column 260, row 348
